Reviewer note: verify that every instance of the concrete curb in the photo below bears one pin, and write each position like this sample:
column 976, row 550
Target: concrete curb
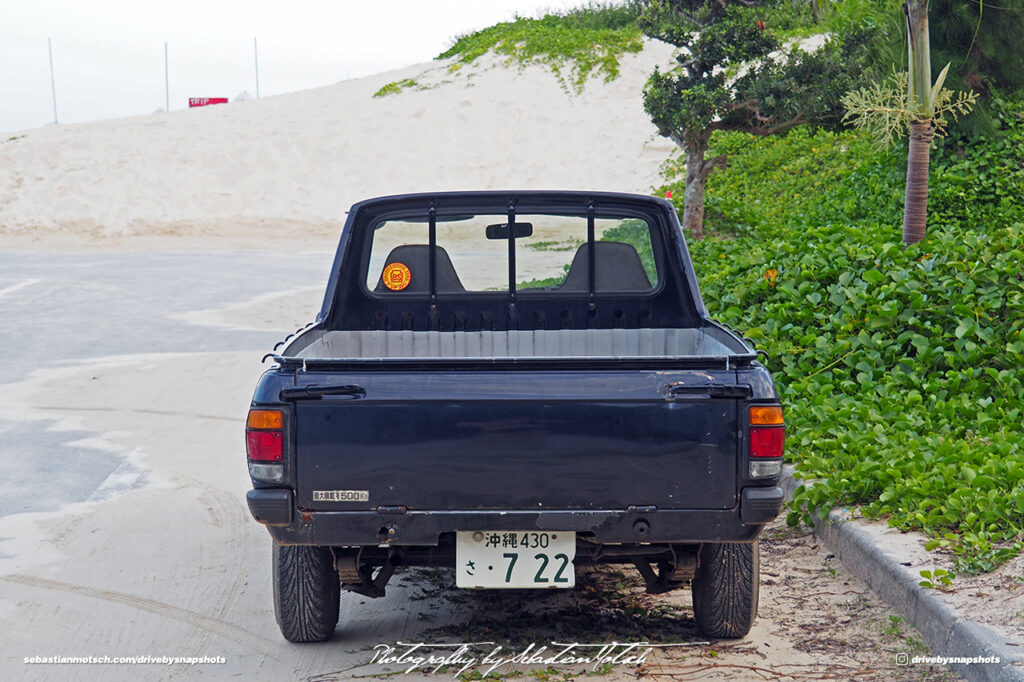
column 949, row 633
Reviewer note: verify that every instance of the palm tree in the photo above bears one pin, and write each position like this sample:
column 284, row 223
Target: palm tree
column 883, row 110
column 921, row 97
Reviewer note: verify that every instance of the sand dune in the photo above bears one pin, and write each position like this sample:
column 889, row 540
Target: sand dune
column 292, row 164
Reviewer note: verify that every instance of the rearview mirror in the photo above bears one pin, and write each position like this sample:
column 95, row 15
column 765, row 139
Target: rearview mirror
column 500, row 231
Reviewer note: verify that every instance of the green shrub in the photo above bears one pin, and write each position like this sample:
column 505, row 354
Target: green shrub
column 575, row 45
column 899, row 367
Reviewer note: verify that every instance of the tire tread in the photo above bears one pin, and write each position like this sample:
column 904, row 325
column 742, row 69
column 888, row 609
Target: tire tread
column 725, row 589
column 306, row 592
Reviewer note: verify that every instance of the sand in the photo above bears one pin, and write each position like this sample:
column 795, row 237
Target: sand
column 288, row 167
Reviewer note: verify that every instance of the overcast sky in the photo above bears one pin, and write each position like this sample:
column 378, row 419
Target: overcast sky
column 108, row 55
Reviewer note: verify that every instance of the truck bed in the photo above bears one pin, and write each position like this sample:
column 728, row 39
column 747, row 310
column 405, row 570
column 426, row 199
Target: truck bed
column 650, row 344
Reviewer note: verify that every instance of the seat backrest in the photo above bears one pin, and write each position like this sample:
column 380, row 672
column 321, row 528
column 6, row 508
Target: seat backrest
column 416, row 257
column 617, row 267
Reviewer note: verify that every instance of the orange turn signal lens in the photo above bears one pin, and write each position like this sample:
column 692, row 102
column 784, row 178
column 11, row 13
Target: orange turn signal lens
column 766, row 416
column 265, row 419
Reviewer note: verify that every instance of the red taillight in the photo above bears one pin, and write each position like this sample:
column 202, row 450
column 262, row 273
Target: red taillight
column 264, row 446
column 767, row 441
column 264, row 439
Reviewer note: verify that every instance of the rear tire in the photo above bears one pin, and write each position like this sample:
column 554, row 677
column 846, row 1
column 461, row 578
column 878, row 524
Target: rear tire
column 306, row 592
column 725, row 589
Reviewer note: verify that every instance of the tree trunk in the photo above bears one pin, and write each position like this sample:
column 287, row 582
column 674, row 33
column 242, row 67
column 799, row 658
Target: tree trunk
column 915, row 204
column 693, row 197
column 697, row 171
column 920, row 104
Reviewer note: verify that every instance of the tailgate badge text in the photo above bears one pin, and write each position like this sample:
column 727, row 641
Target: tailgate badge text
column 341, row 495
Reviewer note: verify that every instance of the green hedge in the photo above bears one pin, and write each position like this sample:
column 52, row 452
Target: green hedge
column 899, row 367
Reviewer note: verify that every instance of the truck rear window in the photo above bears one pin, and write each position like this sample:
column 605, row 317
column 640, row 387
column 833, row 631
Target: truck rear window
column 551, row 254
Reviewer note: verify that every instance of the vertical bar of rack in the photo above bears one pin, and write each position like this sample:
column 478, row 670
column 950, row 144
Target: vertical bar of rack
column 512, row 253
column 432, row 236
column 591, row 261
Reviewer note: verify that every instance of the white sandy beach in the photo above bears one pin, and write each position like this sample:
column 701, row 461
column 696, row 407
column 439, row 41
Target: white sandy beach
column 289, row 166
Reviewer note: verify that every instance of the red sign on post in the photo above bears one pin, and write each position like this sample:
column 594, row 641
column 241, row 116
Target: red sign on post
column 205, row 101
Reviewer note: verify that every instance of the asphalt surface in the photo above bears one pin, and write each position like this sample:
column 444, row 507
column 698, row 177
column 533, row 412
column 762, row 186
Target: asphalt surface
column 59, row 308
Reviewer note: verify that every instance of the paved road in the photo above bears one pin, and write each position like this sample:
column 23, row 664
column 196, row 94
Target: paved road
column 61, row 308
column 56, row 307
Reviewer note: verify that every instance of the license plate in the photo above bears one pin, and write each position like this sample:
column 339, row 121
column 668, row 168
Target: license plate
column 515, row 559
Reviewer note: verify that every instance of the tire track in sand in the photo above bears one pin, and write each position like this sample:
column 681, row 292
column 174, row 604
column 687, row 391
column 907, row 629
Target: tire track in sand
column 214, row 626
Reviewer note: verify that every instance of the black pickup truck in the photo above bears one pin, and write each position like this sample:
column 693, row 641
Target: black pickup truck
column 511, row 385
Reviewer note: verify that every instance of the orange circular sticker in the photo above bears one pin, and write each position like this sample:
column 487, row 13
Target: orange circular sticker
column 396, row 276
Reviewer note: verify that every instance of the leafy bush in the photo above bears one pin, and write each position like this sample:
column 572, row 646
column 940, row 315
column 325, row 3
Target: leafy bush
column 900, row 367
column 779, row 183
column 583, row 42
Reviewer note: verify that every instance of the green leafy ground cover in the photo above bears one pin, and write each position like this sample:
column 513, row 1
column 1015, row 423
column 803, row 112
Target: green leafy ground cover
column 899, row 367
column 395, row 87
column 575, row 44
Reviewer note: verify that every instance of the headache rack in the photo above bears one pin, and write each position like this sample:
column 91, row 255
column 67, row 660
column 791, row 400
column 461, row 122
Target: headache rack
column 599, row 316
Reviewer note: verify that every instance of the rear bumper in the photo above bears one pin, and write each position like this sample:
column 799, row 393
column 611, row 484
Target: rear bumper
column 760, row 505
column 271, row 506
column 275, row 508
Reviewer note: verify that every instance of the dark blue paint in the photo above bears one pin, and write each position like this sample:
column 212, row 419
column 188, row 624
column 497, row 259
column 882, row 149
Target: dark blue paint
column 559, row 443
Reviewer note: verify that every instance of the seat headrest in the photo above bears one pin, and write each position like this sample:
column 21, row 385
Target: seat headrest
column 617, row 267
column 416, row 257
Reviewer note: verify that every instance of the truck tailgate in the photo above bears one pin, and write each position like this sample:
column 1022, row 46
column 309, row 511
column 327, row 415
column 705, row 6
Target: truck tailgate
column 519, row 440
